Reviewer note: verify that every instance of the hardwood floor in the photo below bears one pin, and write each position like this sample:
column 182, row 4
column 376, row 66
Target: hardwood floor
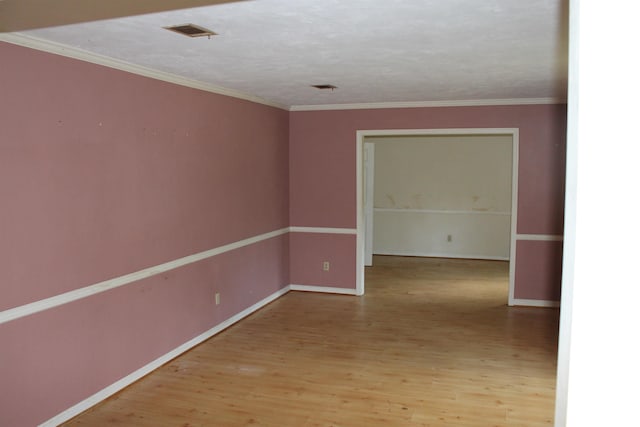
column 432, row 343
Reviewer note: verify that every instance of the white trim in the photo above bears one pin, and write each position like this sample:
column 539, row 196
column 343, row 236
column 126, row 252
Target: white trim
column 360, row 136
column 136, row 375
column 360, row 223
column 368, row 199
column 323, row 230
column 515, row 162
column 570, row 206
column 67, row 297
column 323, row 289
column 541, row 237
column 428, row 104
column 535, row 303
column 94, row 58
column 440, row 211
column 436, row 132
column 442, row 255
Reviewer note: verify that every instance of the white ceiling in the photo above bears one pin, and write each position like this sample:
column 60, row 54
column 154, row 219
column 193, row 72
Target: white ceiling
column 373, row 50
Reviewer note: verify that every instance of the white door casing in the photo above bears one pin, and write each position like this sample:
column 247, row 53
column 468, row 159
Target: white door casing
column 369, row 161
column 364, row 184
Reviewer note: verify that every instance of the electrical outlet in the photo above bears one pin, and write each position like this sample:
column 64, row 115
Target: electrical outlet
column 217, row 298
column 325, row 266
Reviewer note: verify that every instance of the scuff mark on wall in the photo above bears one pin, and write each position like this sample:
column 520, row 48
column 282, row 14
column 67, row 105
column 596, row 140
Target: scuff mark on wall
column 417, row 201
column 392, row 200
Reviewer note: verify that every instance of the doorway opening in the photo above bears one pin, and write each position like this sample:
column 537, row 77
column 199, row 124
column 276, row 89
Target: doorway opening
column 503, row 219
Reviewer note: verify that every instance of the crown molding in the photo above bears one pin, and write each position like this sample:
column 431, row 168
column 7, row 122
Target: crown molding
column 422, row 104
column 94, row 58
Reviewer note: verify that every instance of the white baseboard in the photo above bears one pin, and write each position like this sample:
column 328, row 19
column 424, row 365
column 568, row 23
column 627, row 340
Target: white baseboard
column 323, row 289
column 534, row 303
column 136, row 375
column 441, row 255
column 150, row 367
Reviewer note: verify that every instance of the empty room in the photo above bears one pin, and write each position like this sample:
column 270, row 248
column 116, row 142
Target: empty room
column 304, row 213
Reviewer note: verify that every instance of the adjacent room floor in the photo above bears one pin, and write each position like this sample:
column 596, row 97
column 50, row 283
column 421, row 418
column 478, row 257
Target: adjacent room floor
column 432, row 343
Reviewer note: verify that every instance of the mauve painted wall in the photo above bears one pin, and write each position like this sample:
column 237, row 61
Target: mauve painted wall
column 55, row 359
column 538, row 270
column 103, row 173
column 323, row 166
column 310, row 250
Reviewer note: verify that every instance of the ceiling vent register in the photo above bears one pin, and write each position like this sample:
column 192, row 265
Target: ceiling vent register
column 325, row 86
column 191, row 30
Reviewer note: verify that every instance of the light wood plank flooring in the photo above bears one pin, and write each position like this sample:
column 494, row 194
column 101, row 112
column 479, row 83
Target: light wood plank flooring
column 431, row 344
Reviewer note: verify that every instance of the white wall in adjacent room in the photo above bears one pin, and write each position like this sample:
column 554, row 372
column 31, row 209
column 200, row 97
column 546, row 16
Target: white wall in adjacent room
column 446, row 196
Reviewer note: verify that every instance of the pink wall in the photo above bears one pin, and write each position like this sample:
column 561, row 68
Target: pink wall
column 310, row 250
column 53, row 359
column 117, row 172
column 103, row 173
column 538, row 270
column 323, row 169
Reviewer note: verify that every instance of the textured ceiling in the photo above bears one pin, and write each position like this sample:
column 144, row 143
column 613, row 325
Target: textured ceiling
column 373, row 50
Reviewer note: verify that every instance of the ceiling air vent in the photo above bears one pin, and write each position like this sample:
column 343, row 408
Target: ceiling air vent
column 325, row 86
column 191, row 30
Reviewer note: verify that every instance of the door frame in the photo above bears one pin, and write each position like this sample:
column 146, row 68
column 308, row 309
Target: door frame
column 360, row 189
column 369, row 161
